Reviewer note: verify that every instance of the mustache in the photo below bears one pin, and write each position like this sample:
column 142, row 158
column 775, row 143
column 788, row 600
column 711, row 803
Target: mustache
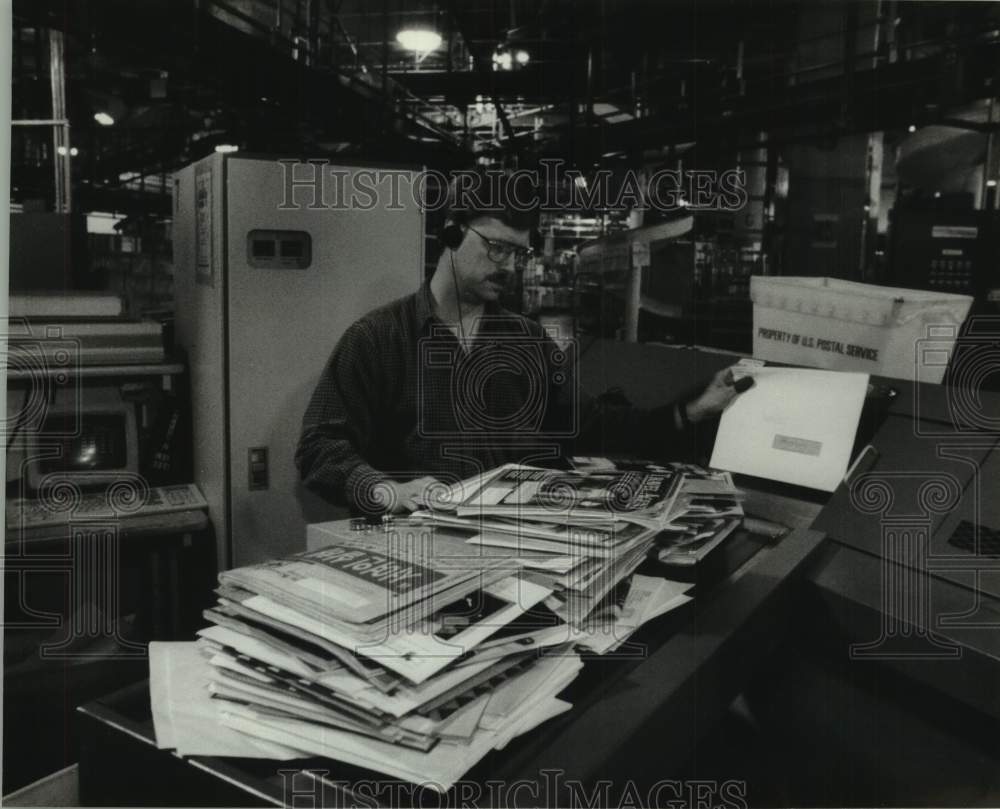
column 499, row 277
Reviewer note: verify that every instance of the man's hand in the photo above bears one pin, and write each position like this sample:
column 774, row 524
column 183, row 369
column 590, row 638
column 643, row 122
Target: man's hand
column 714, row 399
column 412, row 494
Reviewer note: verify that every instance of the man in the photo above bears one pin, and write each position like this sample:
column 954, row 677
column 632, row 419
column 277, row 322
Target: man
column 445, row 383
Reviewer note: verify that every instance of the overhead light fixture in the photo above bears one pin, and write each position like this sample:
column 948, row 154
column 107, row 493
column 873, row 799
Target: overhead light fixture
column 937, row 195
column 104, row 119
column 991, row 183
column 505, row 57
column 62, row 150
column 502, row 60
column 911, row 128
column 226, row 148
column 73, row 151
column 419, row 40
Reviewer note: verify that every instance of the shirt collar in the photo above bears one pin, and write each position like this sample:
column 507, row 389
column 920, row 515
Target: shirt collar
column 425, row 305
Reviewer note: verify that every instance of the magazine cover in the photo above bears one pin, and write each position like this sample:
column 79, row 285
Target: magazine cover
column 361, row 578
column 604, row 496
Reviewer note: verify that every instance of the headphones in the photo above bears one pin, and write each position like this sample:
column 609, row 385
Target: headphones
column 452, row 235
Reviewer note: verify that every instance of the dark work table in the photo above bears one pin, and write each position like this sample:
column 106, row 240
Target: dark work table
column 678, row 672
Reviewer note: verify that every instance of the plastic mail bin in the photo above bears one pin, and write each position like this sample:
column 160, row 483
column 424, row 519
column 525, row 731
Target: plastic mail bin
column 846, row 326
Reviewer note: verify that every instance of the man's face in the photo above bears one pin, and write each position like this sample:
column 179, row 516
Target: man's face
column 480, row 277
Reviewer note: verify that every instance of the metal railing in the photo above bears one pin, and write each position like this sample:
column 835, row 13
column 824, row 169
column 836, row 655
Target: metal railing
column 363, row 79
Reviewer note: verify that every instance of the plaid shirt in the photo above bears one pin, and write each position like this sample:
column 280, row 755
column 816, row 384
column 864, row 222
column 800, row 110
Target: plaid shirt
column 400, row 398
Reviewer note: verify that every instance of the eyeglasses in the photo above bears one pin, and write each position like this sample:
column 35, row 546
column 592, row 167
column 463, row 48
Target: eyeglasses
column 499, row 251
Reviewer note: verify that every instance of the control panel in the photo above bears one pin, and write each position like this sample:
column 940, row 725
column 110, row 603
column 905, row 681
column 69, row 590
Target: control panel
column 279, row 249
column 944, row 251
column 951, row 272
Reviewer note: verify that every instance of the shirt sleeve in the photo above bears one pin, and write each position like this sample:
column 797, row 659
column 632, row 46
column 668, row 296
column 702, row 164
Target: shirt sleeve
column 340, row 423
column 609, row 424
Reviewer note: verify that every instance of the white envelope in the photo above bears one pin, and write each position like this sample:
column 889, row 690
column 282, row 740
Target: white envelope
column 796, row 425
column 185, row 716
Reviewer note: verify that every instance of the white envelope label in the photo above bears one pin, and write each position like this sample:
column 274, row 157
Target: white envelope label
column 801, row 445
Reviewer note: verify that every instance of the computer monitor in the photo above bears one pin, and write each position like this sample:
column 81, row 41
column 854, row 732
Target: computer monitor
column 88, row 442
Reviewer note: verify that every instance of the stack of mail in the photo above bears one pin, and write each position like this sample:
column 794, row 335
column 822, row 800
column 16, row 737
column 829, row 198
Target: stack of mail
column 637, row 600
column 708, row 509
column 583, row 532
column 387, row 649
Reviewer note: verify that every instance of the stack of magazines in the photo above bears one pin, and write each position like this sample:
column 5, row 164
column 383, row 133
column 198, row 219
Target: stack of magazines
column 386, row 649
column 707, row 510
column 416, row 647
column 584, row 532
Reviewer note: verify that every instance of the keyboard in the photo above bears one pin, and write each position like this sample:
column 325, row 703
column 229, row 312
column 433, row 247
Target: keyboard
column 32, row 513
column 964, row 537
